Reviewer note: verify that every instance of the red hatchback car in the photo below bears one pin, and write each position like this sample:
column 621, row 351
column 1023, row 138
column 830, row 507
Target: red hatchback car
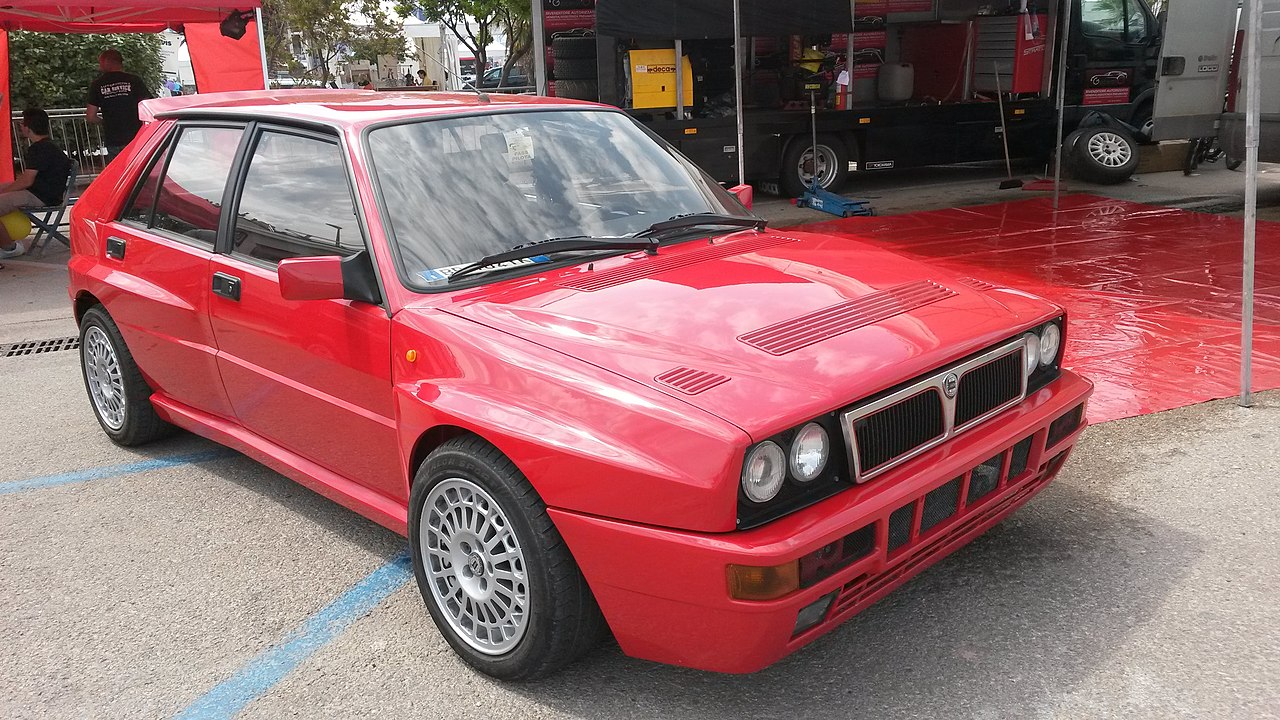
column 595, row 392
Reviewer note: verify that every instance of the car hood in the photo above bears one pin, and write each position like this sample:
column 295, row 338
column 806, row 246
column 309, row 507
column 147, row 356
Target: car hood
column 762, row 329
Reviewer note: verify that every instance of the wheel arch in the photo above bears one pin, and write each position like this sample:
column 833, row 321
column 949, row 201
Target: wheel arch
column 83, row 301
column 428, row 441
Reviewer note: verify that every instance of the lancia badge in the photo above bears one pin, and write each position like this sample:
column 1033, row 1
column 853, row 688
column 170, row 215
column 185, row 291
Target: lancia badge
column 950, row 384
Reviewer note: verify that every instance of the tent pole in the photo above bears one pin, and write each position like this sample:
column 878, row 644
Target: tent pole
column 1253, row 100
column 849, row 50
column 262, row 48
column 1064, row 30
column 539, row 47
column 737, row 84
column 679, row 80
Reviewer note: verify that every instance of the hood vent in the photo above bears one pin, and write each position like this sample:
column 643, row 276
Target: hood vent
column 791, row 335
column 690, row 381
column 976, row 284
column 646, row 267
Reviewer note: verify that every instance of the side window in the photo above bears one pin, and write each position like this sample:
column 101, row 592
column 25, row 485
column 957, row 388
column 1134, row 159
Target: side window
column 144, row 198
column 190, row 194
column 296, row 201
column 1115, row 19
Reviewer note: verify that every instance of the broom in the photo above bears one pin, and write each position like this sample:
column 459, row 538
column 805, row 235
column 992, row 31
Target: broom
column 1012, row 182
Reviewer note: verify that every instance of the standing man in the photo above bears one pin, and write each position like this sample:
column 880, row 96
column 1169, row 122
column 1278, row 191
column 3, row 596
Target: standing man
column 42, row 183
column 116, row 94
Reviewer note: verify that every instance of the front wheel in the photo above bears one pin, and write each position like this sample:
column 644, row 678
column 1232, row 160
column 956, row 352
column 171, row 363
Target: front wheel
column 1102, row 155
column 495, row 574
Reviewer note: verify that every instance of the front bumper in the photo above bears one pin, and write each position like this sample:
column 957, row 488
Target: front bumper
column 665, row 594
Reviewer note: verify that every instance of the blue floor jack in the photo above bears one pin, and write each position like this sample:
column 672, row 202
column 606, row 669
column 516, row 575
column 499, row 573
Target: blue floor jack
column 814, row 196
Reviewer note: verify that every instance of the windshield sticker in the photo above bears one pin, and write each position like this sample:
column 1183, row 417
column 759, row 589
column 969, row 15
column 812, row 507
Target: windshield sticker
column 439, row 276
column 519, row 145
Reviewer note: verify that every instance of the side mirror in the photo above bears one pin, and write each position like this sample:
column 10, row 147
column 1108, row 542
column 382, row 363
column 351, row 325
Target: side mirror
column 329, row 277
column 745, row 194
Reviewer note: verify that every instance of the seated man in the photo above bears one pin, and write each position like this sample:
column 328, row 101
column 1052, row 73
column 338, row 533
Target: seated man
column 42, row 182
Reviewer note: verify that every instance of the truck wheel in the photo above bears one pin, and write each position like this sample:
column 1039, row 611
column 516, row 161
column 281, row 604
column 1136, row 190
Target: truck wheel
column 573, row 46
column 1102, row 155
column 578, row 90
column 798, row 164
column 495, row 574
column 1143, row 120
column 574, row 68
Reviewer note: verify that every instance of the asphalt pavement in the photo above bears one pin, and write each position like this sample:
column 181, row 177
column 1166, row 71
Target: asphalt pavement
column 182, row 580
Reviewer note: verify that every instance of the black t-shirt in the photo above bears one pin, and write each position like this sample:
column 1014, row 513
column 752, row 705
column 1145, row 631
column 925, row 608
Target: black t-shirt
column 117, row 95
column 52, row 167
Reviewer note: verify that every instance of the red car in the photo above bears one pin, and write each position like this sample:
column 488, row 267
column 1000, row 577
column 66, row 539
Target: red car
column 595, row 392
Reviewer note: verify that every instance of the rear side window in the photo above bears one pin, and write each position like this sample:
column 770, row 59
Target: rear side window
column 296, row 201
column 182, row 194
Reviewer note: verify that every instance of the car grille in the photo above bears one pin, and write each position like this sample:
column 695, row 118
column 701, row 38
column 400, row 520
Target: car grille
column 892, row 429
column 898, row 429
column 987, row 387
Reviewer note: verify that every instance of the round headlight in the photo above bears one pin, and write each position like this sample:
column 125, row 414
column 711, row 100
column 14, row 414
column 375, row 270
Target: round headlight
column 763, row 472
column 1050, row 342
column 1032, row 357
column 809, row 452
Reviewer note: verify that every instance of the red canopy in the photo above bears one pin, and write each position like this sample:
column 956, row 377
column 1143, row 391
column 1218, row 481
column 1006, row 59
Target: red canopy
column 110, row 17
column 220, row 63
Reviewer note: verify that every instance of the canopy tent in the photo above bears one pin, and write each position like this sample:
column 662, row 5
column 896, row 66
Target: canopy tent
column 220, row 63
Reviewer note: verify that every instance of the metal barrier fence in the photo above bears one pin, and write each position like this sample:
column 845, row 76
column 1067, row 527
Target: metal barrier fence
column 70, row 131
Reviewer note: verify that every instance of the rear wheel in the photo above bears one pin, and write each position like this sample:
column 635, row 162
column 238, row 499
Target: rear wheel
column 799, row 163
column 495, row 574
column 1102, row 155
column 119, row 395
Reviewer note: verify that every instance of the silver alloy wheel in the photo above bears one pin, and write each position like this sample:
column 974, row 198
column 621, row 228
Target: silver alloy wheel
column 826, row 166
column 475, row 566
column 1110, row 150
column 102, row 371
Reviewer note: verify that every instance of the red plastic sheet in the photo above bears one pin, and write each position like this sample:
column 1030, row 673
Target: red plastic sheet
column 1153, row 295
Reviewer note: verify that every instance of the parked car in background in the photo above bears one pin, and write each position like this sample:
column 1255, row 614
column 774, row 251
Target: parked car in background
column 516, row 78
column 593, row 389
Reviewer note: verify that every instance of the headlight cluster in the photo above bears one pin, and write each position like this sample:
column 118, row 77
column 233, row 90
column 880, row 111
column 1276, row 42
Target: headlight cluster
column 1043, row 353
column 767, row 465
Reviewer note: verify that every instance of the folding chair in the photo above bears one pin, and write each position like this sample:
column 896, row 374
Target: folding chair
column 48, row 219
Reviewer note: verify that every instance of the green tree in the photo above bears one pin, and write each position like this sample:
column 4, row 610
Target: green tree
column 473, row 22
column 327, row 33
column 52, row 70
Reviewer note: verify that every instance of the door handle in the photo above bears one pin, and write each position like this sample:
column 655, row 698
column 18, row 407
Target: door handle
column 115, row 247
column 228, row 286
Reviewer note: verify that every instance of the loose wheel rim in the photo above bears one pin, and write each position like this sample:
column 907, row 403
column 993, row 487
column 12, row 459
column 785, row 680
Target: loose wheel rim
column 1109, row 149
column 826, row 166
column 102, row 373
column 475, row 566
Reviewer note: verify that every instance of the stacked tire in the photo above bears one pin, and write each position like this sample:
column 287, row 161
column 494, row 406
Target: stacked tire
column 574, row 67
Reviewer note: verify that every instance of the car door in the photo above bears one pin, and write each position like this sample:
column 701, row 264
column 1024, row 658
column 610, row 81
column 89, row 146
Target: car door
column 313, row 377
column 162, row 244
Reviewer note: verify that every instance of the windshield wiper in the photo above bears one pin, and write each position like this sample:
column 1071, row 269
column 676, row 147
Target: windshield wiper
column 681, row 222
column 557, row 245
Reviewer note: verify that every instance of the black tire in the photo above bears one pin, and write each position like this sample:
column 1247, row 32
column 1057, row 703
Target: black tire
column 573, row 47
column 792, row 181
column 574, row 68
column 561, row 620
column 1102, row 155
column 578, row 89
column 138, row 422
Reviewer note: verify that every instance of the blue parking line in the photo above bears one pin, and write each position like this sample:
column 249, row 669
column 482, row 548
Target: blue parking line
column 110, row 471
column 273, row 664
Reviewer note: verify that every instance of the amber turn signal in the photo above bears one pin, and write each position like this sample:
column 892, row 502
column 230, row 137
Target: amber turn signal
column 748, row 582
column 411, row 356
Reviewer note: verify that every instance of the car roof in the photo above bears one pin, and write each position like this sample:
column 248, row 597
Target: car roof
column 344, row 107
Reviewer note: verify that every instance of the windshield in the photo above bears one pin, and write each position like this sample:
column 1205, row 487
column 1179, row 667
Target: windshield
column 459, row 189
